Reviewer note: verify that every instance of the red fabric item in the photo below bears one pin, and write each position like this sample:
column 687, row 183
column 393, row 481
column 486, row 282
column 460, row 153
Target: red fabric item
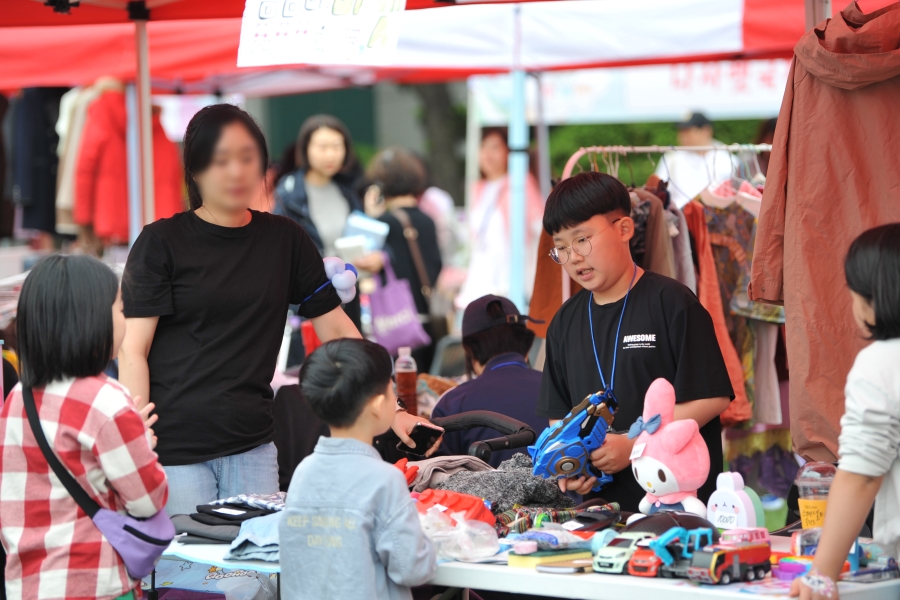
column 408, row 472
column 711, row 298
column 832, row 175
column 53, row 548
column 472, row 506
column 101, row 178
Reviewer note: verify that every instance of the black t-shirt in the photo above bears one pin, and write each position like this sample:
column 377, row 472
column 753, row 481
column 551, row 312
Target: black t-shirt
column 221, row 295
column 401, row 257
column 676, row 340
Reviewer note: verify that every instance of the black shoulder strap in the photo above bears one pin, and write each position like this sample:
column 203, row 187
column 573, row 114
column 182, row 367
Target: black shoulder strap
column 77, row 492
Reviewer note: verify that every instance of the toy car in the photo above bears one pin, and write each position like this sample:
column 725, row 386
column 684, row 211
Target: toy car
column 675, row 549
column 744, row 554
column 614, row 557
column 644, row 562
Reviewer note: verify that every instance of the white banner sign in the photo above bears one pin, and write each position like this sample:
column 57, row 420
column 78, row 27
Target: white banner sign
column 722, row 90
column 320, row 32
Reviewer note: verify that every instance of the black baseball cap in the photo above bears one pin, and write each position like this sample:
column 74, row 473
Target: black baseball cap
column 694, row 120
column 476, row 318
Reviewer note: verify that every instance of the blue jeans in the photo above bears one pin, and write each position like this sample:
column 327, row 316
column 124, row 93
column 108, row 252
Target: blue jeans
column 254, row 471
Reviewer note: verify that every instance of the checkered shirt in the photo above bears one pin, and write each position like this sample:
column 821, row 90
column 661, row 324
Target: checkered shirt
column 53, row 549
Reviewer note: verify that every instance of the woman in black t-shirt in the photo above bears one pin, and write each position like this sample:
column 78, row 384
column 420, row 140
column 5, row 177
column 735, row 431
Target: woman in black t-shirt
column 206, row 295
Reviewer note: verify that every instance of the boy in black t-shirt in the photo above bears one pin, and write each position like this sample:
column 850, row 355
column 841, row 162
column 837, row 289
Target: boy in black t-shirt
column 631, row 325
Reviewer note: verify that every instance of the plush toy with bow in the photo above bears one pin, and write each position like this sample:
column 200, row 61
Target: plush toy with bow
column 342, row 276
column 669, row 460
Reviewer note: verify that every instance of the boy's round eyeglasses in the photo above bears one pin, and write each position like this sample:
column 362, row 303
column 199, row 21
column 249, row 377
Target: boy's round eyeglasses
column 581, row 246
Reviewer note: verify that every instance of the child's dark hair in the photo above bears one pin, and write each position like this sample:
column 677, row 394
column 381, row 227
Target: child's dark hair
column 64, row 319
column 582, row 197
column 202, row 135
column 501, row 339
column 872, row 269
column 340, row 377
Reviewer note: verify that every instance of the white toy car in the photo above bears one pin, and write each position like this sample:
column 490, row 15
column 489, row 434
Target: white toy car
column 614, row 557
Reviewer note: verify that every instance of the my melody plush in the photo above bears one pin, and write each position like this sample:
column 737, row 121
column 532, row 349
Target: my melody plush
column 670, row 460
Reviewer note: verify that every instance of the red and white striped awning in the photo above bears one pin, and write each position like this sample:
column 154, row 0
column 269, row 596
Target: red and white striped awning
column 435, row 44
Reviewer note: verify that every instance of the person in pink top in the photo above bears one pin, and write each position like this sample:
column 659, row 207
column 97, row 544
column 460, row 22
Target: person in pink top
column 489, row 233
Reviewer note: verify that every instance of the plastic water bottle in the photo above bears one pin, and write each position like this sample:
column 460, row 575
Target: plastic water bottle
column 406, row 372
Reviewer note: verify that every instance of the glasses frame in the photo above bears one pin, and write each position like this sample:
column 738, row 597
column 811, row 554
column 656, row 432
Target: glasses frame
column 554, row 252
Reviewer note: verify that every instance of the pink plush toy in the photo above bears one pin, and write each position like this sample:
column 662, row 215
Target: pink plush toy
column 670, row 460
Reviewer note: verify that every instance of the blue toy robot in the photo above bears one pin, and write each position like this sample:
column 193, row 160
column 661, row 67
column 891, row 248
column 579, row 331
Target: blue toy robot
column 564, row 449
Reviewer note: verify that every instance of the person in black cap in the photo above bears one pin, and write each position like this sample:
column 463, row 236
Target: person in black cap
column 496, row 342
column 687, row 172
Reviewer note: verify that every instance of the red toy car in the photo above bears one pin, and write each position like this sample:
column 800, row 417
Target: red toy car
column 740, row 554
column 644, row 562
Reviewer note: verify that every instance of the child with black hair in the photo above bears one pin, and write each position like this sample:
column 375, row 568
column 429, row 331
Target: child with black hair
column 70, row 324
column 625, row 329
column 350, row 528
column 869, row 468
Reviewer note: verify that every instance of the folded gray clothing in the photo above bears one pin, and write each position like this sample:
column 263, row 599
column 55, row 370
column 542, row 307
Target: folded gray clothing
column 196, row 539
column 224, row 533
column 512, row 483
column 258, row 540
column 434, row 471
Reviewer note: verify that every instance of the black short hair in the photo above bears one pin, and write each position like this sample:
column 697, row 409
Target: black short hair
column 397, row 172
column 339, row 378
column 202, row 135
column 64, row 319
column 501, row 339
column 872, row 269
column 582, row 197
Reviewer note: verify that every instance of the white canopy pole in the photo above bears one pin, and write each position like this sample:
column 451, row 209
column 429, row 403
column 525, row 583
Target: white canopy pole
column 518, row 171
column 133, row 154
column 146, row 124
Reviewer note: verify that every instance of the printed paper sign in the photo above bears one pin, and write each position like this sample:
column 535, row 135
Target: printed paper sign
column 318, row 32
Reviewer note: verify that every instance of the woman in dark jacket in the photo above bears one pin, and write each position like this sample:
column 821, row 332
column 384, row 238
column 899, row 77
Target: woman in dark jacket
column 319, row 194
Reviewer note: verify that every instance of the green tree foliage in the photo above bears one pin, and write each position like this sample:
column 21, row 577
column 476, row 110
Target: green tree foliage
column 565, row 140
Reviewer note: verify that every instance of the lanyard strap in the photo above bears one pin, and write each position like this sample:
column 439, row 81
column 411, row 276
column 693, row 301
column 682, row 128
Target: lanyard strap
column 509, row 364
column 612, row 379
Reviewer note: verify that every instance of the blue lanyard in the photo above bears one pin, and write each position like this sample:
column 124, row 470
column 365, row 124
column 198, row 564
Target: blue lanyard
column 509, row 364
column 612, row 379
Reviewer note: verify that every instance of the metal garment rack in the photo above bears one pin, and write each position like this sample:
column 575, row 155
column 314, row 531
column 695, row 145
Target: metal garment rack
column 622, row 150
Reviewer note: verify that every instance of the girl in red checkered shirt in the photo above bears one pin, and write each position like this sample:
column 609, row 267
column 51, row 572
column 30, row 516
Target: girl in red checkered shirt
column 70, row 325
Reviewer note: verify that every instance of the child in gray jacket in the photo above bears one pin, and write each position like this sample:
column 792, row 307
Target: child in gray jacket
column 349, row 529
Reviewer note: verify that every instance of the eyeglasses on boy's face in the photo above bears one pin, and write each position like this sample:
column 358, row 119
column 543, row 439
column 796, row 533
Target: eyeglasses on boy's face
column 581, row 246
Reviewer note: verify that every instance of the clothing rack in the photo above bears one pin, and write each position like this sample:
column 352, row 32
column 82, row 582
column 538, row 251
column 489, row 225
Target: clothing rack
column 622, row 150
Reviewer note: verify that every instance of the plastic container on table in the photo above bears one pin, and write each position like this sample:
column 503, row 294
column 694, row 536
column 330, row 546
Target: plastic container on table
column 775, row 510
column 814, row 482
column 406, row 372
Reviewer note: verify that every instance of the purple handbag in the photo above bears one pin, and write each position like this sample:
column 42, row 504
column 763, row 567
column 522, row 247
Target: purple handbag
column 140, row 542
column 395, row 318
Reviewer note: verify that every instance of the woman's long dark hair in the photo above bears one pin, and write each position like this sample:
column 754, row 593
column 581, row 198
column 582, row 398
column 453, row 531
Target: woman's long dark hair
column 64, row 319
column 350, row 168
column 202, row 135
column 872, row 269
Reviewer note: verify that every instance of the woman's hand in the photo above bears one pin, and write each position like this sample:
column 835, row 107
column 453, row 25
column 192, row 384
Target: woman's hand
column 144, row 409
column 372, row 262
column 404, row 423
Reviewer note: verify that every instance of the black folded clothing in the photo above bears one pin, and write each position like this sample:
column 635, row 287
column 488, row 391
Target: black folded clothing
column 232, row 513
column 196, row 539
column 222, row 533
